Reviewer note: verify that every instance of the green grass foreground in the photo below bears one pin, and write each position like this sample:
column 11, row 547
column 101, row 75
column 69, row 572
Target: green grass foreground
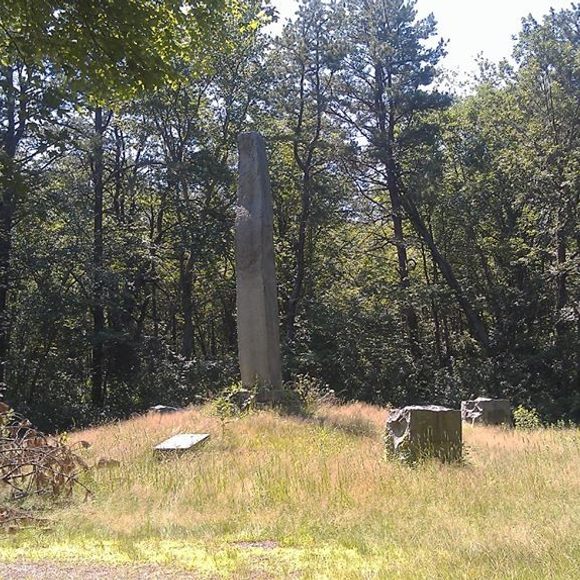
column 271, row 496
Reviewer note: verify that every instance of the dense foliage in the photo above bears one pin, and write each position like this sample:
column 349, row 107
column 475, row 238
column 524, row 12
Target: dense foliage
column 427, row 243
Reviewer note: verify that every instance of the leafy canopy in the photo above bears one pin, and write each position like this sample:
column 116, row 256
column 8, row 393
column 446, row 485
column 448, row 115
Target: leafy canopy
column 108, row 48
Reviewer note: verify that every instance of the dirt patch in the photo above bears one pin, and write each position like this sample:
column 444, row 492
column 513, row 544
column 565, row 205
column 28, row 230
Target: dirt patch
column 264, row 544
column 58, row 571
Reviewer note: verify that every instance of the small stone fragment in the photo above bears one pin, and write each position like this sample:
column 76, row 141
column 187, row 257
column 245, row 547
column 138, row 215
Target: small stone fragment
column 487, row 411
column 417, row 432
column 105, row 462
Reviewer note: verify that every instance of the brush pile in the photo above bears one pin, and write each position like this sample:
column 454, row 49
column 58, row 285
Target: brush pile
column 32, row 463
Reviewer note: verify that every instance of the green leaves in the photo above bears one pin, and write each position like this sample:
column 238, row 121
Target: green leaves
column 110, row 49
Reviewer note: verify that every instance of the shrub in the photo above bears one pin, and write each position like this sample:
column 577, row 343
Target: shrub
column 527, row 418
column 233, row 401
column 310, row 392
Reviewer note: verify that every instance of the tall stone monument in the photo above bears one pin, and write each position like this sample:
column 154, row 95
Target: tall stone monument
column 258, row 322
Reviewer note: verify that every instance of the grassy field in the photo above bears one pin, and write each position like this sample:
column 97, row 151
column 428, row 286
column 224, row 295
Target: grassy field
column 273, row 496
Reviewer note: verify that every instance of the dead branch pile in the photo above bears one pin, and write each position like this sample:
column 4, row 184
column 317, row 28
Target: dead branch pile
column 11, row 519
column 34, row 463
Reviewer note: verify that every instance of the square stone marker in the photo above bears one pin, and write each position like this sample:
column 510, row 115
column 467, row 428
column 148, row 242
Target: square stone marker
column 416, row 431
column 487, row 411
column 182, row 442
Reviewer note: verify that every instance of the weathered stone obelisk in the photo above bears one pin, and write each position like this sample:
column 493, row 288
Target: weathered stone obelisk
column 258, row 323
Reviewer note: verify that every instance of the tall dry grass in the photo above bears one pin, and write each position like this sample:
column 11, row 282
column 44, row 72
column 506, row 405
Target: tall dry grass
column 281, row 496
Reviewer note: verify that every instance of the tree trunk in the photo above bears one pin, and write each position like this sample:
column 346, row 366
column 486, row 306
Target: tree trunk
column 409, row 313
column 15, row 125
column 228, row 307
column 434, row 311
column 293, row 300
column 97, row 365
column 186, row 284
column 6, row 220
column 475, row 324
column 386, row 140
column 561, row 288
column 305, row 163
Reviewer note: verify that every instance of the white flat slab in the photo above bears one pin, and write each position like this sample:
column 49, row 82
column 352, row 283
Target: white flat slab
column 182, row 441
column 164, row 409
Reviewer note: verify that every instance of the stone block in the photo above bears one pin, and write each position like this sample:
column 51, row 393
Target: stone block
column 417, row 432
column 182, row 442
column 487, row 411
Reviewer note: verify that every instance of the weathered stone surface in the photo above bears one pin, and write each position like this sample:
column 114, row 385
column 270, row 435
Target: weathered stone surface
column 257, row 306
column 487, row 411
column 163, row 409
column 416, row 432
column 182, row 442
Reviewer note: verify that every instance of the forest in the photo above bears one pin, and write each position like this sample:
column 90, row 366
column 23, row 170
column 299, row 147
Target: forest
column 426, row 232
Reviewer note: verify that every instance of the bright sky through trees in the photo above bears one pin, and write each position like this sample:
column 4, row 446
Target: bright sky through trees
column 471, row 26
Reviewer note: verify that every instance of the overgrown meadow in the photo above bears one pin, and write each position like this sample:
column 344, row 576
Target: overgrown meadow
column 277, row 496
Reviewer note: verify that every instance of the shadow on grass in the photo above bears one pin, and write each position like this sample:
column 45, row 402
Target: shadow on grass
column 351, row 424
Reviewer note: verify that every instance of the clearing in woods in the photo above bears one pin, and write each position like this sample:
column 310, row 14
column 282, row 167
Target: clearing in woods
column 273, row 496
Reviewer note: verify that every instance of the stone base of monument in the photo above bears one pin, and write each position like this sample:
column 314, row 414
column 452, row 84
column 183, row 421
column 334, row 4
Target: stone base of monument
column 487, row 411
column 270, row 396
column 420, row 432
column 262, row 397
